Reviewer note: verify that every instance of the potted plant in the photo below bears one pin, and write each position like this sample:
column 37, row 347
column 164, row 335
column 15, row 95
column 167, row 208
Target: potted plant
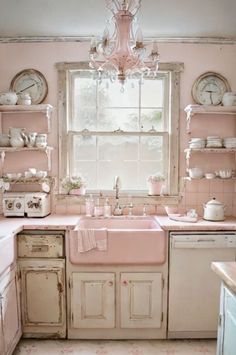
column 74, row 185
column 155, row 183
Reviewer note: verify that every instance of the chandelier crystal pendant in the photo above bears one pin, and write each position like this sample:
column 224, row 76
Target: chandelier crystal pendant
column 123, row 55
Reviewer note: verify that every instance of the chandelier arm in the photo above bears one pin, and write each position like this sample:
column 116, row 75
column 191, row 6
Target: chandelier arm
column 115, row 3
column 134, row 7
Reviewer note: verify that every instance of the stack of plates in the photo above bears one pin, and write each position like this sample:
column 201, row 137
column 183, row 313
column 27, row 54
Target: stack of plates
column 197, row 143
column 230, row 142
column 214, row 142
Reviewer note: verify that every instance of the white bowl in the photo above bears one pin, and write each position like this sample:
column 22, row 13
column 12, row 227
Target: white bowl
column 41, row 174
column 195, row 173
column 225, row 174
column 8, row 98
column 210, row 175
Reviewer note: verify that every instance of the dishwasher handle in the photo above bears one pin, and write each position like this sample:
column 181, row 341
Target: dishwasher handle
column 194, row 245
column 203, row 243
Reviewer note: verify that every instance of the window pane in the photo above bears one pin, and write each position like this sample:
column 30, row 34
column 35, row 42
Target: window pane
column 84, row 118
column 111, row 95
column 84, row 104
column 126, row 170
column 113, row 119
column 152, row 93
column 151, row 118
column 118, row 148
column 84, row 148
column 151, row 148
column 89, row 172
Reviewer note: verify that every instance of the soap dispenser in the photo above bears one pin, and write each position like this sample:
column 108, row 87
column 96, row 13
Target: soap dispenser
column 98, row 210
column 89, row 206
column 107, row 208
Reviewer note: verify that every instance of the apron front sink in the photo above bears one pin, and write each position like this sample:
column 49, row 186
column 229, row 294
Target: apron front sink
column 130, row 240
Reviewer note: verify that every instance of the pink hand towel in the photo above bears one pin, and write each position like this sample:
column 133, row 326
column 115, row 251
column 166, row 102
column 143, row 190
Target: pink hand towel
column 88, row 239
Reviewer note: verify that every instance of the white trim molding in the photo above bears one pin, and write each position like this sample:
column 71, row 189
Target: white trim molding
column 46, row 39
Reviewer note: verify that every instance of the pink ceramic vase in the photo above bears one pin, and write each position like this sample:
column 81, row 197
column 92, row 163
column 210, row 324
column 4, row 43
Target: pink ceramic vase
column 154, row 188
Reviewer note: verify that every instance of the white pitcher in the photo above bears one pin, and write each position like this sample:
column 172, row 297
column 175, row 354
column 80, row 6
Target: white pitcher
column 17, row 137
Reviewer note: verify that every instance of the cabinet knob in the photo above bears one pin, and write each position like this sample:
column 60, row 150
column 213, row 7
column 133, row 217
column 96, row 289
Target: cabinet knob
column 110, row 283
column 125, row 282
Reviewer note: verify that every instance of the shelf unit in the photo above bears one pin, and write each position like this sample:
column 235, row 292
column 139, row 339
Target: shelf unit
column 47, row 150
column 192, row 110
column 46, row 111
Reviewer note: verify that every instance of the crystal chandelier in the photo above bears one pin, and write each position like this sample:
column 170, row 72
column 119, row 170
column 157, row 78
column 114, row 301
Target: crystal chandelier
column 123, row 54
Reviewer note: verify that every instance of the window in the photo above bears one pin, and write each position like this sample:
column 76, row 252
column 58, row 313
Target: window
column 106, row 132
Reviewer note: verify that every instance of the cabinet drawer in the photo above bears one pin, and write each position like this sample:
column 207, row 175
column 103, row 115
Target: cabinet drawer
column 40, row 246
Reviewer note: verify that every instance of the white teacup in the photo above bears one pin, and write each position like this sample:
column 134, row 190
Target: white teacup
column 41, row 174
column 28, row 174
column 225, row 174
column 33, row 171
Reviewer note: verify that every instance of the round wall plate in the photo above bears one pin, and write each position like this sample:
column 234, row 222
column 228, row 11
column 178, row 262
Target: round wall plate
column 209, row 88
column 30, row 81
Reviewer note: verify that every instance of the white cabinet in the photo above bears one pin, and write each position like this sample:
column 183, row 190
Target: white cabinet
column 10, row 324
column 43, row 297
column 226, row 343
column 141, row 300
column 116, row 299
column 93, row 300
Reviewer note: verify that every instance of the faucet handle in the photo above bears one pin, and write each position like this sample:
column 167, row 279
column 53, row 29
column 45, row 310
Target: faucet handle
column 144, row 210
column 130, row 206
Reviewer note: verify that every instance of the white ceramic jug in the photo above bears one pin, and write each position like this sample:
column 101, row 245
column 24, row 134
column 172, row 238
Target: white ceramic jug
column 17, row 137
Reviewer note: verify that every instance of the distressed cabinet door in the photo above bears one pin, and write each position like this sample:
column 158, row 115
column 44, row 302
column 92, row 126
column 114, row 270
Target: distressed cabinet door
column 92, row 300
column 141, row 300
column 43, row 296
column 10, row 312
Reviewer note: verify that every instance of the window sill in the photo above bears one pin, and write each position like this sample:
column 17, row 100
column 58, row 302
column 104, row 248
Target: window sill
column 138, row 199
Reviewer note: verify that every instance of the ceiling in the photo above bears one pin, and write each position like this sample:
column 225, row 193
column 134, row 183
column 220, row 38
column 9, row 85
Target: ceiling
column 83, row 18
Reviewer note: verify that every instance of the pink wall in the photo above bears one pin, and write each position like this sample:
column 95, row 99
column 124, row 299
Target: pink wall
column 197, row 58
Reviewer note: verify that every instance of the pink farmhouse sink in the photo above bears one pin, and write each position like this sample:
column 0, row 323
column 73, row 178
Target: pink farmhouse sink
column 7, row 252
column 131, row 240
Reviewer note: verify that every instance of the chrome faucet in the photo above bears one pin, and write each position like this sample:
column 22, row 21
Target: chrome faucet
column 118, row 210
column 117, row 185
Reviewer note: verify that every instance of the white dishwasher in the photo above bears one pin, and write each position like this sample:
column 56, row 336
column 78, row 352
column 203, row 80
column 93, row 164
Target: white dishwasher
column 194, row 289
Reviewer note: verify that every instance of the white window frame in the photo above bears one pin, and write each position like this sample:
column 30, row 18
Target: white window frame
column 173, row 69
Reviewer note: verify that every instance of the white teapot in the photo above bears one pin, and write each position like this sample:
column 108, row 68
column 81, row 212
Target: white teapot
column 214, row 210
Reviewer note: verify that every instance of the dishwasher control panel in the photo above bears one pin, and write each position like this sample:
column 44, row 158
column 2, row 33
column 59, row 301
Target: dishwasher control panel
column 203, row 240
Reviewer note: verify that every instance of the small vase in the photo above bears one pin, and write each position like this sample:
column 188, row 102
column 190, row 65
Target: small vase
column 154, row 188
column 80, row 191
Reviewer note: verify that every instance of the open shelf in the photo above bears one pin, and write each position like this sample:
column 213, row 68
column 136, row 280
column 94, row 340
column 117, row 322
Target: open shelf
column 191, row 110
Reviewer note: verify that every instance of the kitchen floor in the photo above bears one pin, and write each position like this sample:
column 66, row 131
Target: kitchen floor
column 116, row 347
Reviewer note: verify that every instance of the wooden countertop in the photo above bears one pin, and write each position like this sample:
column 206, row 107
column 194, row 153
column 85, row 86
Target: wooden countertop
column 227, row 272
